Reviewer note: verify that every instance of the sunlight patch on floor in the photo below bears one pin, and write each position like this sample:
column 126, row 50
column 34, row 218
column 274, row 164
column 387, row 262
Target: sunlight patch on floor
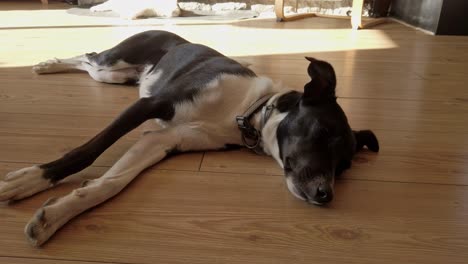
column 28, row 46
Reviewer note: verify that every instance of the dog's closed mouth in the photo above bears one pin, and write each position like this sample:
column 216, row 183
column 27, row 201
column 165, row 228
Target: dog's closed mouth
column 313, row 201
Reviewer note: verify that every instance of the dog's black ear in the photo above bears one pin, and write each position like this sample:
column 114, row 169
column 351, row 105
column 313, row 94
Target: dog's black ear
column 366, row 138
column 322, row 86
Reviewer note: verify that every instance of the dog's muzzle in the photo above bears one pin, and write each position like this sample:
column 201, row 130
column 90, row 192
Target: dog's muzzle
column 321, row 194
column 313, row 192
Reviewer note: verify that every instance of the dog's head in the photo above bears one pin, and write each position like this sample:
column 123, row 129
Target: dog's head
column 315, row 140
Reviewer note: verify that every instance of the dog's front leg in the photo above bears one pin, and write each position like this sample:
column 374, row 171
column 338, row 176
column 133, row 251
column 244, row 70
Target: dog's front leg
column 28, row 181
column 151, row 148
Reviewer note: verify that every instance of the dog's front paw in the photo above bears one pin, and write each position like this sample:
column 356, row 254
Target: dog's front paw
column 48, row 66
column 23, row 183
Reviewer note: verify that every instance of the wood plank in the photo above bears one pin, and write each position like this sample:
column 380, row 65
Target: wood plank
column 81, row 87
column 362, row 113
column 42, row 261
column 61, row 82
column 432, row 71
column 344, row 63
column 64, row 125
column 417, row 49
column 172, row 217
column 58, row 125
column 42, row 149
column 407, row 152
column 410, row 157
column 400, row 115
column 373, row 46
column 381, row 88
column 404, row 205
column 337, row 40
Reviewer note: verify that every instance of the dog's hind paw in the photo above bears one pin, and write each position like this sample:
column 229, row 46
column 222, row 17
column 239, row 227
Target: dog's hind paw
column 35, row 227
column 45, row 222
column 38, row 230
column 48, row 66
column 23, row 183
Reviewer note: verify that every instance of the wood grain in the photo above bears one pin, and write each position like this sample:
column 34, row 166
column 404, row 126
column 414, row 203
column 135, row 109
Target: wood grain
column 242, row 219
column 406, row 204
column 394, row 165
column 41, row 261
column 371, row 113
column 42, row 149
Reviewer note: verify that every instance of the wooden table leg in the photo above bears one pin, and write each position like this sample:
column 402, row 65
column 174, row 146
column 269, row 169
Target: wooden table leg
column 45, row 1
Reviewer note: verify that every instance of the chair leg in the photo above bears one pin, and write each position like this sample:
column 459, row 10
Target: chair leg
column 280, row 17
column 279, row 10
column 357, row 22
column 356, row 15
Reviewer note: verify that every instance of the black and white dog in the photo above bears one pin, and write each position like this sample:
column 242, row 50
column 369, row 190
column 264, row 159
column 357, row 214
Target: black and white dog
column 204, row 101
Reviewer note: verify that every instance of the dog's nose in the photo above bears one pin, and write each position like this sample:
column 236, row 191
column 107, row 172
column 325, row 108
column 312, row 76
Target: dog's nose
column 324, row 194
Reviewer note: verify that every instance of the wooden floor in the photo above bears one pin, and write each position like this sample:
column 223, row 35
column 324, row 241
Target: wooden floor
column 408, row 204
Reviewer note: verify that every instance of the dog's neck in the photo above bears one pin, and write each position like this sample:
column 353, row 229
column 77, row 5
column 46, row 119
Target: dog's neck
column 268, row 124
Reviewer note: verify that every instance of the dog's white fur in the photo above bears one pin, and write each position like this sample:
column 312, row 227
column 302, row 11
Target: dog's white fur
column 133, row 9
column 23, row 183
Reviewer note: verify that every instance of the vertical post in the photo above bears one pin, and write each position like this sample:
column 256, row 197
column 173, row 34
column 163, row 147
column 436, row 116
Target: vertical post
column 279, row 10
column 356, row 15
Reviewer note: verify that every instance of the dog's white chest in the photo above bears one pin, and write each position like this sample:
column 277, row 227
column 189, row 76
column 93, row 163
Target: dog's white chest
column 216, row 106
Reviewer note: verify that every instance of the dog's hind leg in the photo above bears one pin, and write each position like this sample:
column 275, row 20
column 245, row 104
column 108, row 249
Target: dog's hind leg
column 61, row 65
column 151, row 148
column 120, row 72
column 28, row 181
column 121, row 63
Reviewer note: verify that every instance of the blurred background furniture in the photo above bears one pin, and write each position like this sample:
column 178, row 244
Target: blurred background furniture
column 357, row 21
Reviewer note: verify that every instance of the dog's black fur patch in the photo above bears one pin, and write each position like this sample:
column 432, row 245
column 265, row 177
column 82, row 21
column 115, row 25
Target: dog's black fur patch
column 315, row 140
column 183, row 63
column 288, row 101
column 83, row 156
column 366, row 138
